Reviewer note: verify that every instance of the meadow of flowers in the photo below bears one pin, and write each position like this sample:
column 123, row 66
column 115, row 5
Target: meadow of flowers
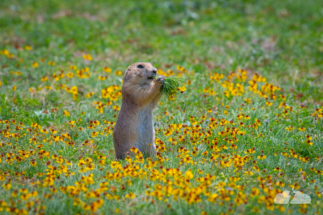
column 233, row 137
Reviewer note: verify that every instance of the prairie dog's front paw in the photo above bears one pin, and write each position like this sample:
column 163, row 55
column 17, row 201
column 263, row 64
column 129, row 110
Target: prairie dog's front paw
column 160, row 80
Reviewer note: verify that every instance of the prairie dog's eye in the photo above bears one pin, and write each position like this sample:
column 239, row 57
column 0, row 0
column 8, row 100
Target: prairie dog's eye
column 140, row 66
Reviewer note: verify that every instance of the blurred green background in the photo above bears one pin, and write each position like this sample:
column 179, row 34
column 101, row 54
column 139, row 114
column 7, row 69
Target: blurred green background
column 282, row 40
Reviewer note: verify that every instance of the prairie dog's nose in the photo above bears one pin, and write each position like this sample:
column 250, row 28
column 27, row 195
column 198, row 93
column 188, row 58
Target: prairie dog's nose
column 154, row 71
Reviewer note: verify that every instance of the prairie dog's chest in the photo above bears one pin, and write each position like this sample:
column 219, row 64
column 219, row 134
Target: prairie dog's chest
column 145, row 118
column 145, row 126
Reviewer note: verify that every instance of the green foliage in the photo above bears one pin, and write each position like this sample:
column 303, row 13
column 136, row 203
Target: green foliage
column 58, row 106
column 171, row 85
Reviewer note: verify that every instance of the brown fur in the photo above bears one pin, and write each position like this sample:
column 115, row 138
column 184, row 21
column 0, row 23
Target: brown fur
column 134, row 126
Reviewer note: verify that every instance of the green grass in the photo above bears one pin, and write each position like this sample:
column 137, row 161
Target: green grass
column 216, row 129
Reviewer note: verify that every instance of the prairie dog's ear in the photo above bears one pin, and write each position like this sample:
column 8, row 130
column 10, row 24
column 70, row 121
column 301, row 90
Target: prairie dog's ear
column 126, row 72
column 127, row 75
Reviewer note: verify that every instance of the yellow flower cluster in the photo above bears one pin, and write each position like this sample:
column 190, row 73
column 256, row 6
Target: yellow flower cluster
column 222, row 155
column 112, row 93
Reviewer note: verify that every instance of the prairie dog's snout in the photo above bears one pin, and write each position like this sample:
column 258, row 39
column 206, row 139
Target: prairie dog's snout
column 153, row 73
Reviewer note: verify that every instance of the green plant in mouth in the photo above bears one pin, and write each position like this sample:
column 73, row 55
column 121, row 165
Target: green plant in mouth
column 170, row 85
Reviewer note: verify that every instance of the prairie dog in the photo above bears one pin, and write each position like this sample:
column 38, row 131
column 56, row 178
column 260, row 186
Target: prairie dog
column 140, row 95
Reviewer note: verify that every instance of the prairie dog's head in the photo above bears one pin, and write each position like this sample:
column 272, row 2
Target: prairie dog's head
column 141, row 73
